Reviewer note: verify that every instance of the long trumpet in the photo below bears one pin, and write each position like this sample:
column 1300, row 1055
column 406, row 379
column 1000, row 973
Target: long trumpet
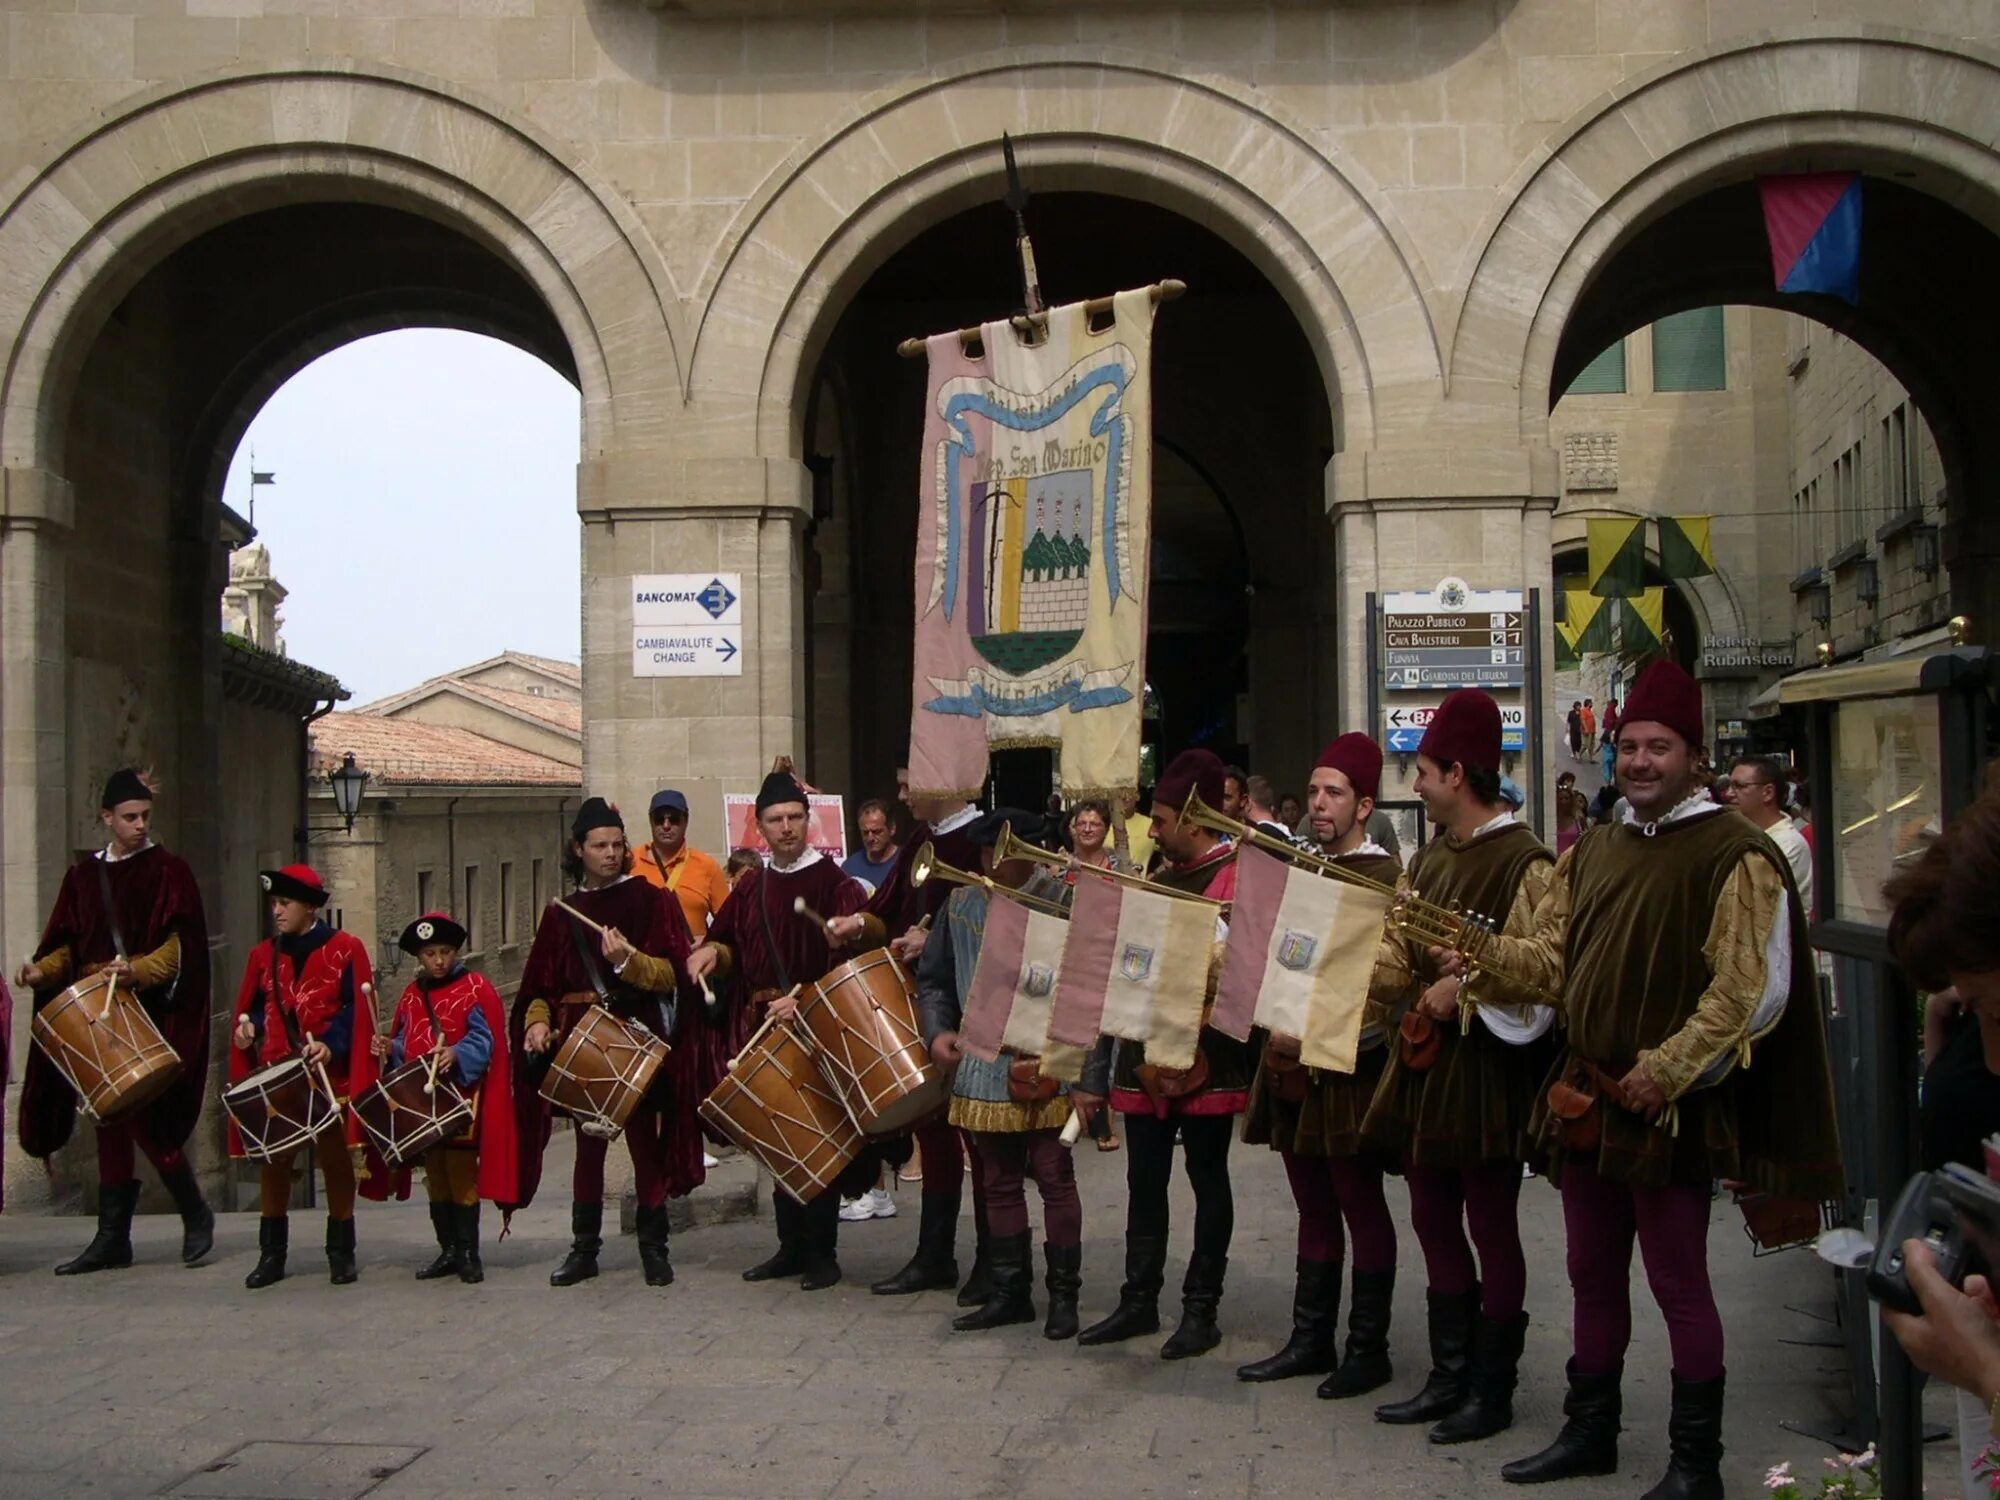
column 1409, row 916
column 1011, row 846
column 926, row 866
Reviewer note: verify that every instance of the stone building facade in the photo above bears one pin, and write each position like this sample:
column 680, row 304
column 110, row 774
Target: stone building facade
column 1406, row 224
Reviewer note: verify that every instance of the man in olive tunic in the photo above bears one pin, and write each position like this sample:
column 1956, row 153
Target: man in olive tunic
column 1675, row 938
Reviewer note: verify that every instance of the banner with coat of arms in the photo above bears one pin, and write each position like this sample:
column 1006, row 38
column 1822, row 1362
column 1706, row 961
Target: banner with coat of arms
column 1033, row 541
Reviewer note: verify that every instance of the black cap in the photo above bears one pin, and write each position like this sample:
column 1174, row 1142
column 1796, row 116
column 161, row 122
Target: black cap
column 595, row 813
column 125, row 785
column 780, row 787
column 431, row 927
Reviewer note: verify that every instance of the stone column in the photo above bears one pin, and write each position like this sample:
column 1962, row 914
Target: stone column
column 37, row 511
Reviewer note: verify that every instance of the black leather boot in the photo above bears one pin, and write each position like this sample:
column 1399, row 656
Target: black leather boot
column 1451, row 1315
column 1138, row 1309
column 1201, row 1294
column 273, row 1236
column 1064, row 1279
column 1315, row 1317
column 1364, row 1364
column 586, row 1228
column 1488, row 1406
column 469, row 1268
column 979, row 1280
column 110, row 1249
column 445, row 1226
column 1694, row 1443
column 653, row 1258
column 935, row 1265
column 821, row 1239
column 1011, row 1257
column 1588, row 1442
column 340, row 1268
column 197, row 1218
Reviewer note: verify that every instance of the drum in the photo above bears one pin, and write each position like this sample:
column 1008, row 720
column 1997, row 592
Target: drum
column 774, row 1103
column 100, row 1038
column 862, row 1022
column 404, row 1120
column 602, row 1070
column 279, row 1109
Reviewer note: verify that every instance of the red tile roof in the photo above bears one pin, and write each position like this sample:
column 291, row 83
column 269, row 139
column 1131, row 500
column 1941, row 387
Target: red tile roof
column 399, row 752
column 561, row 713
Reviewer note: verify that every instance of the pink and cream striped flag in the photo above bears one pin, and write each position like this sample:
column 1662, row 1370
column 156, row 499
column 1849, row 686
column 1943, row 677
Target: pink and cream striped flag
column 1014, row 981
column 1301, row 952
column 1135, row 967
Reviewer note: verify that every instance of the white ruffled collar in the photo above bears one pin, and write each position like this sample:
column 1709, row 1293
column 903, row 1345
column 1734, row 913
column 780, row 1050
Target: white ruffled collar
column 805, row 861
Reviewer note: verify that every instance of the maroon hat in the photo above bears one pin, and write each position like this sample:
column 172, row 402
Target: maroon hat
column 1192, row 771
column 1465, row 729
column 1664, row 694
column 1356, row 757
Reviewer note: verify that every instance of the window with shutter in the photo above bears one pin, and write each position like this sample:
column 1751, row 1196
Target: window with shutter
column 1688, row 351
column 1603, row 376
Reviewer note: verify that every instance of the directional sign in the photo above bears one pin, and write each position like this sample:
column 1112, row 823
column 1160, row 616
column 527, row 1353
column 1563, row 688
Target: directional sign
column 1403, row 728
column 688, row 651
column 687, row 599
column 1454, row 636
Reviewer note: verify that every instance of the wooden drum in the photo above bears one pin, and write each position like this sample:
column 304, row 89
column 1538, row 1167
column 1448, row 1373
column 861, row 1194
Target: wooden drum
column 862, row 1021
column 100, row 1038
column 280, row 1109
column 602, row 1070
column 774, row 1103
column 405, row 1114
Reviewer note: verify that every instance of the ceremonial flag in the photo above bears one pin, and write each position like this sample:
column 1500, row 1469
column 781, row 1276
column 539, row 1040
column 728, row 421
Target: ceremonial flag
column 1020, row 953
column 1034, row 535
column 1813, row 220
column 1568, row 658
column 1588, row 622
column 1644, row 619
column 1301, row 953
column 1617, row 556
column 1136, row 967
column 1686, row 550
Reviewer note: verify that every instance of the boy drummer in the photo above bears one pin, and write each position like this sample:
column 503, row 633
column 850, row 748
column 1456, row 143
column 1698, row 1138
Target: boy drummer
column 450, row 1009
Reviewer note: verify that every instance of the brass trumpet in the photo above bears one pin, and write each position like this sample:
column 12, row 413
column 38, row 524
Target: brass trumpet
column 925, row 866
column 1409, row 916
column 1012, row 847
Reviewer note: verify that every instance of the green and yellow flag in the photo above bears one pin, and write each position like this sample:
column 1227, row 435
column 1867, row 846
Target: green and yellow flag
column 1617, row 556
column 1686, row 550
column 1568, row 658
column 1644, row 620
column 1587, row 621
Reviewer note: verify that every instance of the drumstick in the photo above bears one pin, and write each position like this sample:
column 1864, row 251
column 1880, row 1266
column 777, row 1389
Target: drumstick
column 430, row 1080
column 110, row 994
column 799, row 906
column 325, row 1081
column 1073, row 1129
column 596, row 927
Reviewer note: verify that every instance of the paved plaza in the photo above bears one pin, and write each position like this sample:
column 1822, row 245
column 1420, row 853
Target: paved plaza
column 167, row 1381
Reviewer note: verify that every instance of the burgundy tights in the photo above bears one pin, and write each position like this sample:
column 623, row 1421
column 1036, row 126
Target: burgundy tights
column 1446, row 1202
column 1007, row 1159
column 116, row 1161
column 645, row 1138
column 1671, row 1225
column 1330, row 1188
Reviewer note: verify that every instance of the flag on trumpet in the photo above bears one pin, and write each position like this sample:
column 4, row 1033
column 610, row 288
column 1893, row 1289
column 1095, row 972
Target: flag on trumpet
column 1135, row 967
column 1014, row 983
column 1301, row 952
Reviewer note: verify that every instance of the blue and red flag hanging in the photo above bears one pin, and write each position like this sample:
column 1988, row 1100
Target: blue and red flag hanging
column 1813, row 220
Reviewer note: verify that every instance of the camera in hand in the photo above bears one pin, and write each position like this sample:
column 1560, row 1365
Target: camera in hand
column 1955, row 1213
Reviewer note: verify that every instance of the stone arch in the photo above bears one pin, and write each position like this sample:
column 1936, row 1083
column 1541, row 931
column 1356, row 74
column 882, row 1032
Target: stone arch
column 1120, row 124
column 1877, row 100
column 117, row 197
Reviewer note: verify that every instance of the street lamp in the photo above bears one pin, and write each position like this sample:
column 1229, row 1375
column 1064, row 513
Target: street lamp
column 348, row 783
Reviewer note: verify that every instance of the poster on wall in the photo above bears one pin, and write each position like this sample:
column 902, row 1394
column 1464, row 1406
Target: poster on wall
column 827, row 833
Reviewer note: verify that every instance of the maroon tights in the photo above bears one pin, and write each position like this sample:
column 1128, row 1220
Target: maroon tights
column 1330, row 1188
column 115, row 1159
column 1006, row 1159
column 646, row 1139
column 1445, row 1202
column 1671, row 1224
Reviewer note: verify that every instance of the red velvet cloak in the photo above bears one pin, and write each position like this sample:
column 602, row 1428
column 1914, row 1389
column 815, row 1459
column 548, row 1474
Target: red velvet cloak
column 652, row 921
column 155, row 897
column 493, row 1098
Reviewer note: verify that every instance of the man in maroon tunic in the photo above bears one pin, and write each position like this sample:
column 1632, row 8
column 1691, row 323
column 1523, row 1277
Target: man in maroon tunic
column 773, row 952
column 134, row 909
column 634, row 966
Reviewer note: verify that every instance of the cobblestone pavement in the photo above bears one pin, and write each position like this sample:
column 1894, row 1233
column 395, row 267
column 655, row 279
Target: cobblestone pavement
column 135, row 1383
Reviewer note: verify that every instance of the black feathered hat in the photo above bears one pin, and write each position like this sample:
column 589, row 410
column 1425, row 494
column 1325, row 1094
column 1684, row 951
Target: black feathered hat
column 125, row 785
column 595, row 813
column 780, row 787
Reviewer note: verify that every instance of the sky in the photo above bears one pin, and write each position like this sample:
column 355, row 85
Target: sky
column 424, row 512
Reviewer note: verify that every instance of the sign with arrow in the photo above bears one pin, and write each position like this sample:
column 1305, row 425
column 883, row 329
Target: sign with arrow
column 687, row 625
column 1454, row 636
column 1403, row 728
column 692, row 651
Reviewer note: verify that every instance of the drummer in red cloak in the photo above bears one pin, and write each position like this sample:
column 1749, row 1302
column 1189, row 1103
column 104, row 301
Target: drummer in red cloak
column 761, row 941
column 132, row 908
column 628, row 955
column 457, row 1012
column 301, row 997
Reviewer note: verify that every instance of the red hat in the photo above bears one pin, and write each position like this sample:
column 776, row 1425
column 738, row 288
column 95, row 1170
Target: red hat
column 1465, row 729
column 296, row 882
column 1664, row 694
column 1192, row 771
column 1356, row 757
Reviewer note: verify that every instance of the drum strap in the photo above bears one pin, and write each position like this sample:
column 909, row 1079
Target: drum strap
column 110, row 910
column 669, row 1005
column 278, row 999
column 770, row 937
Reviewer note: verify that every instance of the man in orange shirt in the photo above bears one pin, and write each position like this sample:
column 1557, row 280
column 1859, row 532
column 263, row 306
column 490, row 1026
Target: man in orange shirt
column 672, row 864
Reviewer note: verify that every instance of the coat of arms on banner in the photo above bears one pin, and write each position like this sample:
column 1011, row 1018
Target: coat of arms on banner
column 1135, row 963
column 1033, row 540
column 1038, row 981
column 1295, row 950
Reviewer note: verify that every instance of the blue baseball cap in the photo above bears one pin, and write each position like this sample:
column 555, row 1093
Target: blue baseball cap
column 1511, row 793
column 668, row 798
